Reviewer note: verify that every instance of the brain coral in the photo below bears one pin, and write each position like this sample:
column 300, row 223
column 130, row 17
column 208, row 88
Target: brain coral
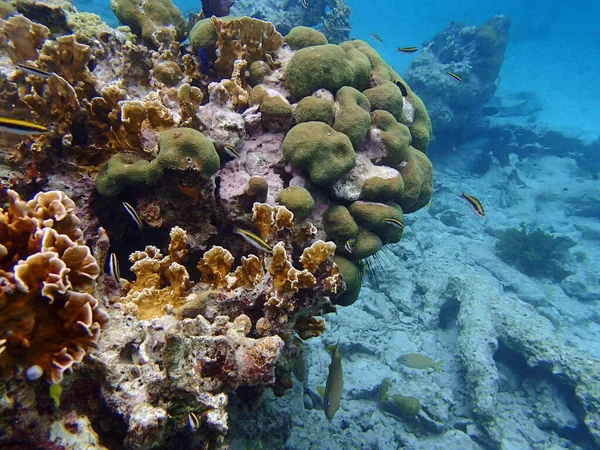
column 48, row 318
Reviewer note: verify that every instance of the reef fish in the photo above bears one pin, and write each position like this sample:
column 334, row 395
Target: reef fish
column 113, row 267
column 402, row 88
column 474, row 203
column 408, row 49
column 204, row 60
column 335, row 382
column 375, row 36
column 193, row 421
column 133, row 214
column 395, row 223
column 254, row 240
column 18, row 126
column 55, row 392
column 455, row 76
column 231, row 151
column 418, row 361
column 305, row 4
column 32, row 70
column 348, row 245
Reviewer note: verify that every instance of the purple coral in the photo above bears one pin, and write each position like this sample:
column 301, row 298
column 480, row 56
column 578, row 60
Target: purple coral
column 217, row 8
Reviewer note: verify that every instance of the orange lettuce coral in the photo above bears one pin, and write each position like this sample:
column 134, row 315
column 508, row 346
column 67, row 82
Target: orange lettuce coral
column 48, row 317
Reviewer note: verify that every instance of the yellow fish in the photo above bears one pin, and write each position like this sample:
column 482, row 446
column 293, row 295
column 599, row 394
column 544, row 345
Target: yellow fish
column 418, row 361
column 335, row 382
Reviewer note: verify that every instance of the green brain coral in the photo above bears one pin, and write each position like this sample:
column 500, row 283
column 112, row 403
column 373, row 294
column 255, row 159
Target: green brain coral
column 387, row 97
column 352, row 278
column 301, row 37
column 417, row 173
column 352, row 118
column 183, row 149
column 120, row 171
column 326, row 66
column 323, row 152
column 298, row 200
column 379, row 218
column 179, row 149
column 339, row 224
column 314, row 109
column 203, row 35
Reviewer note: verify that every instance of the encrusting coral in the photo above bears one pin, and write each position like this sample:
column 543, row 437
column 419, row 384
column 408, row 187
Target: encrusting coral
column 48, row 318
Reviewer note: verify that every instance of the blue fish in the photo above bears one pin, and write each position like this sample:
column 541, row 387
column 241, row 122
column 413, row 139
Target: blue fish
column 204, row 60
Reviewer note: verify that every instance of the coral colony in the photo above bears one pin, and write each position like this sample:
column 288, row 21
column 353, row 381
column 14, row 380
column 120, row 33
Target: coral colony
column 260, row 170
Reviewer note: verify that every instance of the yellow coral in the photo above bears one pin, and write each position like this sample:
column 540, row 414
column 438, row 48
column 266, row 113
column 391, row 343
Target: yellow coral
column 22, row 39
column 315, row 255
column 245, row 39
column 249, row 273
column 215, row 265
column 161, row 284
column 48, row 318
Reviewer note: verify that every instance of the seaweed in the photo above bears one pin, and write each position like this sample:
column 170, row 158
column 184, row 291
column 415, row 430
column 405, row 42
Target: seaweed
column 535, row 253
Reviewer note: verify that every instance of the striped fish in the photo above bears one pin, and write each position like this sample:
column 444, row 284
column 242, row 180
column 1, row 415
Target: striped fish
column 455, row 76
column 133, row 214
column 193, row 421
column 32, row 70
column 18, row 126
column 375, row 36
column 408, row 49
column 113, row 267
column 474, row 203
column 305, row 4
column 348, row 245
column 254, row 240
column 231, row 151
column 402, row 88
column 395, row 223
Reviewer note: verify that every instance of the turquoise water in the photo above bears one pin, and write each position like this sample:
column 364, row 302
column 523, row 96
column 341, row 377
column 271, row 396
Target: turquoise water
column 486, row 314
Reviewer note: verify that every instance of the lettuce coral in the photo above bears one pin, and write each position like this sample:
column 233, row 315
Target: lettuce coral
column 48, row 317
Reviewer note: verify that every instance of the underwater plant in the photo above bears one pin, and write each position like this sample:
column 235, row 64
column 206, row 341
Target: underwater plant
column 536, row 252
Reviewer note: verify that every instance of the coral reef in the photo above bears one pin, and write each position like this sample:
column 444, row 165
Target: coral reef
column 476, row 55
column 535, row 252
column 252, row 150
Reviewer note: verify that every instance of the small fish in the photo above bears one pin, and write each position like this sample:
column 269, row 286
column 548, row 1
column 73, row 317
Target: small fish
column 305, row 4
column 348, row 245
column 408, row 49
column 113, row 267
column 254, row 240
column 402, row 88
column 231, row 151
column 18, row 126
column 32, row 70
column 376, row 37
column 474, row 203
column 300, row 369
column 417, row 361
column 134, row 215
column 55, row 391
column 456, row 77
column 335, row 382
column 204, row 60
column 193, row 421
column 395, row 223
